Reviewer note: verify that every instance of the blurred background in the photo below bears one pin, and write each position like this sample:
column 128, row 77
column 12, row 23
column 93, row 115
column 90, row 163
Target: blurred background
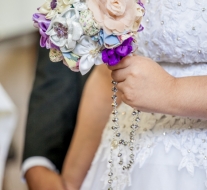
column 18, row 54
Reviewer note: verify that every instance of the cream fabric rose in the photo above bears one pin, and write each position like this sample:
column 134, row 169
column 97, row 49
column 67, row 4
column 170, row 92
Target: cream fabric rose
column 68, row 2
column 50, row 12
column 116, row 16
column 139, row 15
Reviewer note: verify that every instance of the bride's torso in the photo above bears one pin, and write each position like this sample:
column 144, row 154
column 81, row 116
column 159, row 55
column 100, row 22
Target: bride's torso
column 175, row 35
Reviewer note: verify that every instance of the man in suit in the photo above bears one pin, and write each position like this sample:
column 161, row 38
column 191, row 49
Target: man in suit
column 51, row 120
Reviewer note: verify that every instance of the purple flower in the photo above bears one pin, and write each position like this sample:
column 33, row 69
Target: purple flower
column 42, row 24
column 113, row 56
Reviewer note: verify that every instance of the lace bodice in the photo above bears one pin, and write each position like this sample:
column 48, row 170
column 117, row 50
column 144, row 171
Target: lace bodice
column 175, row 31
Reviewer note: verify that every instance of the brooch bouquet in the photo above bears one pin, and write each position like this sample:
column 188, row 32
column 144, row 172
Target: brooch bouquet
column 83, row 34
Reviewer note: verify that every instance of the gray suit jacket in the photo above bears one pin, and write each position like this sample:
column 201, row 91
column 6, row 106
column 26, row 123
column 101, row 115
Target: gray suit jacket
column 52, row 110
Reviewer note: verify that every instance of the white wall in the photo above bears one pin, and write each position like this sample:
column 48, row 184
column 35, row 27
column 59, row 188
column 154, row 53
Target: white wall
column 16, row 16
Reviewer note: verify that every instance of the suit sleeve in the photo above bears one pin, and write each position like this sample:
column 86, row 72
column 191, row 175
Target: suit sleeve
column 52, row 110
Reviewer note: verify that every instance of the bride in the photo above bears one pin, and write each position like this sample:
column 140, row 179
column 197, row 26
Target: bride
column 167, row 81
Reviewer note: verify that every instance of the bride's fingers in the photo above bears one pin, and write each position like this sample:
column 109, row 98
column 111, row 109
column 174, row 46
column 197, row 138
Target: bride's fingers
column 120, row 75
column 120, row 87
column 122, row 90
column 125, row 62
column 127, row 94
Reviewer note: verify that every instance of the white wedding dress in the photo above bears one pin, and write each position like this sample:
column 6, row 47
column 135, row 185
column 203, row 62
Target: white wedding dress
column 170, row 152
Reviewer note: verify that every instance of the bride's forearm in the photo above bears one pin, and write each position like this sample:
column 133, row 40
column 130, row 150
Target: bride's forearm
column 92, row 117
column 188, row 97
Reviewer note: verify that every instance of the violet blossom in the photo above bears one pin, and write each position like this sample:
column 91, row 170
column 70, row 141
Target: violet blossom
column 42, row 24
column 114, row 56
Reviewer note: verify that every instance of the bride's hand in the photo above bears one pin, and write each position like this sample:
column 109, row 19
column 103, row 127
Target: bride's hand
column 144, row 84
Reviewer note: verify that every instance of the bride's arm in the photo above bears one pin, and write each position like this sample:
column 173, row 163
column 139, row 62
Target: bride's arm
column 146, row 86
column 93, row 114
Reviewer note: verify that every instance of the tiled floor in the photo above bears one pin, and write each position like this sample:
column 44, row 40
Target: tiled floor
column 17, row 65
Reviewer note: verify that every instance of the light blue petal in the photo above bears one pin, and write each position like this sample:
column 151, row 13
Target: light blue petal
column 67, row 55
column 110, row 40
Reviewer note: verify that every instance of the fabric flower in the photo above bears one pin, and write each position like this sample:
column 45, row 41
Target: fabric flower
column 65, row 30
column 68, row 2
column 110, row 41
column 80, row 6
column 72, row 61
column 89, row 25
column 113, row 56
column 89, row 51
column 52, row 7
column 117, row 16
column 55, row 55
column 123, row 37
column 42, row 24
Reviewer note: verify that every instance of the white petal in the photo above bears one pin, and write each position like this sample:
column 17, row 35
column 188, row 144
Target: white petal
column 83, row 47
column 80, row 50
column 57, row 41
column 50, row 32
column 68, row 13
column 80, row 6
column 85, row 64
column 98, row 60
column 69, row 45
column 77, row 31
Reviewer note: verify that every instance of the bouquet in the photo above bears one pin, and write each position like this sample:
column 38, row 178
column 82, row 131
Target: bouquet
column 83, row 34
